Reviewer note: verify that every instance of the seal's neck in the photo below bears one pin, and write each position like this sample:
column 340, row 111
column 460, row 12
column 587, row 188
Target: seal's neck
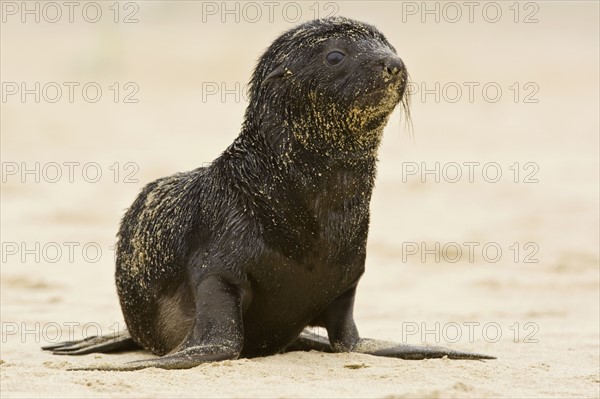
column 322, row 135
column 275, row 157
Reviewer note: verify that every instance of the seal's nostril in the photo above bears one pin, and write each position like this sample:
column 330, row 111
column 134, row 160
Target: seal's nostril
column 393, row 65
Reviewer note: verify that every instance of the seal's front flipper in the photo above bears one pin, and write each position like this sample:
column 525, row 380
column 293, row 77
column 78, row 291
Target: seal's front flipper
column 217, row 333
column 411, row 352
column 185, row 359
column 339, row 320
column 94, row 344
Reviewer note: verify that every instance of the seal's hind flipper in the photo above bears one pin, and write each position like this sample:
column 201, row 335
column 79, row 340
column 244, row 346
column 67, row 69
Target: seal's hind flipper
column 411, row 352
column 94, row 344
column 67, row 343
column 309, row 341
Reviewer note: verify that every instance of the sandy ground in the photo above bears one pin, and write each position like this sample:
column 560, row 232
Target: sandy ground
column 534, row 305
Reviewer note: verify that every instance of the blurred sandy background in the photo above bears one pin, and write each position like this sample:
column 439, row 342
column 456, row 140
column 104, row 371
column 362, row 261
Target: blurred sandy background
column 541, row 319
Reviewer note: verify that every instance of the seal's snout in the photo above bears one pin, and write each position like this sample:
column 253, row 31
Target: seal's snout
column 392, row 65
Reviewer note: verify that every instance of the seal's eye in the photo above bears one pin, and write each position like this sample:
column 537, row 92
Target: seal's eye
column 335, row 57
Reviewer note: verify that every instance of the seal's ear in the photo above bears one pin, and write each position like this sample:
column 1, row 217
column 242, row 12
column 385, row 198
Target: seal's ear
column 278, row 72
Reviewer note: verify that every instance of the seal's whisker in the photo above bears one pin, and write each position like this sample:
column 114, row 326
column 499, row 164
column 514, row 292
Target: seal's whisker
column 405, row 105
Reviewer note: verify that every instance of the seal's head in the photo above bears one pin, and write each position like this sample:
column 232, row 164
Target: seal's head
column 333, row 82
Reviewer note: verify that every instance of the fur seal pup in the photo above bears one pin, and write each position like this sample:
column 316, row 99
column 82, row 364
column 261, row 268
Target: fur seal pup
column 237, row 258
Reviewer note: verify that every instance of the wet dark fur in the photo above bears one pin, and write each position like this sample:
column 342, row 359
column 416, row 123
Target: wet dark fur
column 283, row 214
column 237, row 258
